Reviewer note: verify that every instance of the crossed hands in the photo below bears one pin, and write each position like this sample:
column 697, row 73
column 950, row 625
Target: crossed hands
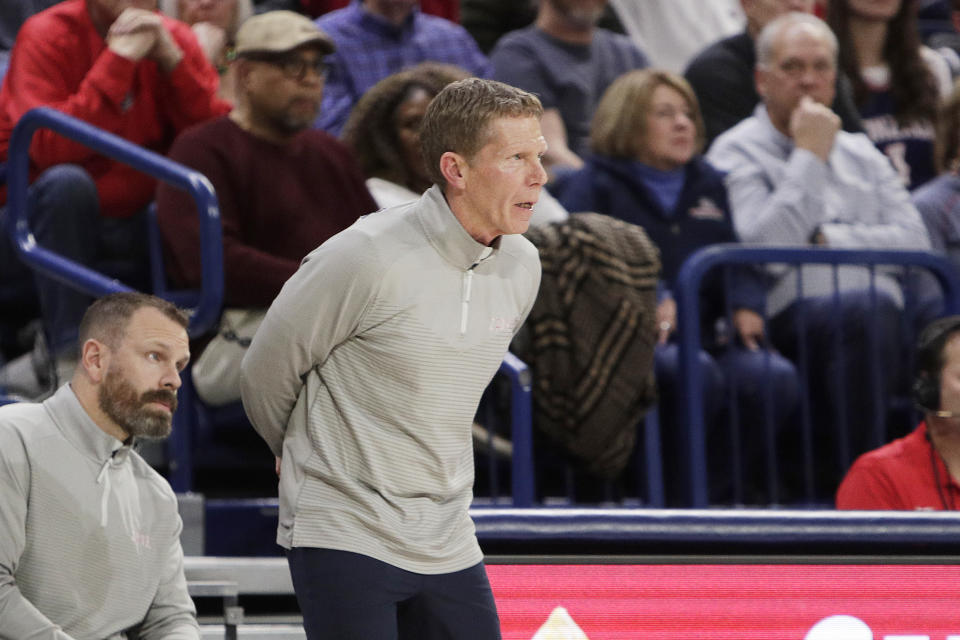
column 138, row 34
column 747, row 323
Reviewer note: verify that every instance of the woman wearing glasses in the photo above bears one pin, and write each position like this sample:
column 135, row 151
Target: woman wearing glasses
column 645, row 169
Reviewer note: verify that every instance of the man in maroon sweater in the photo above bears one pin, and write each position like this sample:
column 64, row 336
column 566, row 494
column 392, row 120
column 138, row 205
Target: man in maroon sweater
column 283, row 187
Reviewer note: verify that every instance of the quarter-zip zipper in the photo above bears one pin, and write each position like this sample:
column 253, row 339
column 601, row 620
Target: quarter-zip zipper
column 465, row 299
column 467, row 285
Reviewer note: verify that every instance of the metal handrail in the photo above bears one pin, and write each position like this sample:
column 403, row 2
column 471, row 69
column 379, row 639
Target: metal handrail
column 687, row 290
column 83, row 278
column 521, row 430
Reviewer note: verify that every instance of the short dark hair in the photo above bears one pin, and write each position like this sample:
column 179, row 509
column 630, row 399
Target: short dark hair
column 931, row 345
column 458, row 118
column 106, row 319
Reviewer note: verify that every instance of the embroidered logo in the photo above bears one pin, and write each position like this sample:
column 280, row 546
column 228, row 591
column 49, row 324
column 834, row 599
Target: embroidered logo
column 504, row 325
column 706, row 209
column 142, row 540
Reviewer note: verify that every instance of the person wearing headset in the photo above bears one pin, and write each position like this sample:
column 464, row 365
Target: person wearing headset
column 920, row 471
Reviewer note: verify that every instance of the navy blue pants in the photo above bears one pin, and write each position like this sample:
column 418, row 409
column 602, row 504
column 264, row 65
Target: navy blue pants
column 65, row 218
column 348, row 596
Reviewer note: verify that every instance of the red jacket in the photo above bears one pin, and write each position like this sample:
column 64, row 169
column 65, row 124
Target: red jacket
column 59, row 60
column 901, row 475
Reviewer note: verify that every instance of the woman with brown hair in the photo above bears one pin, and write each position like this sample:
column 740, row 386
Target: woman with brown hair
column 897, row 82
column 645, row 168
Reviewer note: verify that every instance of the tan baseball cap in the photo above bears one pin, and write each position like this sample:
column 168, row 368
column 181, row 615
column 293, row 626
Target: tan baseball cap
column 279, row 32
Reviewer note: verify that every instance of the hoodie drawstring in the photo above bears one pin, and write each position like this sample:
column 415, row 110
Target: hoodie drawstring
column 104, row 478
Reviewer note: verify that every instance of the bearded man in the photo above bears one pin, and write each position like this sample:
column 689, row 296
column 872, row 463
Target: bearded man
column 283, row 187
column 89, row 533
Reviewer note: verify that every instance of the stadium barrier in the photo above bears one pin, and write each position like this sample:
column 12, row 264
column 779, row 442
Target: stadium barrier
column 692, row 273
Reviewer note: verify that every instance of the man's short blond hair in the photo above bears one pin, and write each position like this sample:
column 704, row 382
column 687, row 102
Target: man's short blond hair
column 458, row 118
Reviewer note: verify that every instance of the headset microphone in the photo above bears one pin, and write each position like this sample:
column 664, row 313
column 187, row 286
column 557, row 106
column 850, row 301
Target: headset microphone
column 942, row 414
column 929, row 363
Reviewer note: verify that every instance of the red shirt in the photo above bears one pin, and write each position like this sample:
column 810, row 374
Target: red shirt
column 59, row 60
column 901, row 475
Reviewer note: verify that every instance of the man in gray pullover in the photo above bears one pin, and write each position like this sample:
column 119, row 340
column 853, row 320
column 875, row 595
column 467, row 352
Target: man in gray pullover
column 89, row 533
column 368, row 368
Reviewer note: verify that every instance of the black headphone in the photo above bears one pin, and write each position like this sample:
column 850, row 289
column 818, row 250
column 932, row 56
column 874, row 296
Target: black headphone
column 929, row 363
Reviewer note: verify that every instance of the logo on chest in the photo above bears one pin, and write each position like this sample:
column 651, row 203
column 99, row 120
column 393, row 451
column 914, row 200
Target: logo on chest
column 706, row 209
column 500, row 325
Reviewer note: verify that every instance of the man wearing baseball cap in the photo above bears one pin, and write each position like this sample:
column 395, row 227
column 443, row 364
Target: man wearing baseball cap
column 283, row 187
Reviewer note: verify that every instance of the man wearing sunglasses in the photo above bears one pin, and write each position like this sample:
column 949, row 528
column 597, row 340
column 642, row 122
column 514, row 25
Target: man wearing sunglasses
column 283, row 187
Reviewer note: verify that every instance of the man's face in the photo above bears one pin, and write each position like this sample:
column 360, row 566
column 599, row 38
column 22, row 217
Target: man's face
column 109, row 10
column 285, row 95
column 503, row 179
column 396, row 11
column 217, row 12
column 139, row 388
column 950, row 376
column 803, row 64
column 583, row 14
column 761, row 12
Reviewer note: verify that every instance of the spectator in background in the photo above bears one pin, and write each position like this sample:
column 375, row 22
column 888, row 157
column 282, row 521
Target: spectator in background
column 215, row 23
column 122, row 67
column 367, row 371
column 673, row 31
column 722, row 75
column 375, row 38
column 283, row 187
column 566, row 60
column 447, row 9
column 89, row 533
column 897, row 82
column 939, row 199
column 488, row 20
column 922, row 470
column 384, row 132
column 645, row 170
column 795, row 179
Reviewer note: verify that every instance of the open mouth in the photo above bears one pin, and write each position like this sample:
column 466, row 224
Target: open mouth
column 525, row 205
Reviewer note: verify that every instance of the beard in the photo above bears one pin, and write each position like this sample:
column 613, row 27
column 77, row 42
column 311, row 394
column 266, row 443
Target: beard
column 119, row 400
column 290, row 120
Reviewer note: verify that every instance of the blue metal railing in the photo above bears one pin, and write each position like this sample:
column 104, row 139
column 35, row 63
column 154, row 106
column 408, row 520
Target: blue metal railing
column 687, row 293
column 521, row 430
column 207, row 310
column 78, row 276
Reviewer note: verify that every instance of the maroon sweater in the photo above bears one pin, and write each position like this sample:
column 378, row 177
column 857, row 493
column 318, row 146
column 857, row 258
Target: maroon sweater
column 277, row 203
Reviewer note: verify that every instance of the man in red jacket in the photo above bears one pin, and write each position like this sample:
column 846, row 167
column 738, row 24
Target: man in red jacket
column 123, row 67
column 920, row 471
